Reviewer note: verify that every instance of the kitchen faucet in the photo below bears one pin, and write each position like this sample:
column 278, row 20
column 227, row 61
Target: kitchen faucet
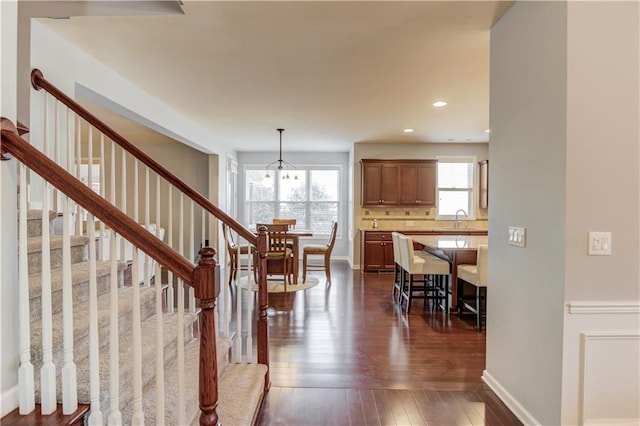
column 456, row 224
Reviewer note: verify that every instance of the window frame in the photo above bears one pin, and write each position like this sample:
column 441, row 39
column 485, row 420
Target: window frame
column 471, row 214
column 307, row 169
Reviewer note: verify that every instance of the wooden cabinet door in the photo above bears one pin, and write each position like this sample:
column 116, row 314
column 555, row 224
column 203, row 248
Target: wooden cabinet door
column 374, row 255
column 418, row 183
column 427, row 184
column 483, row 201
column 389, row 184
column 379, row 183
column 371, row 178
column 389, row 262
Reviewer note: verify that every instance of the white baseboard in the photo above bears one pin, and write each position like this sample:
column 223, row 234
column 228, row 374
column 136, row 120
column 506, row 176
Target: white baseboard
column 516, row 408
column 9, row 401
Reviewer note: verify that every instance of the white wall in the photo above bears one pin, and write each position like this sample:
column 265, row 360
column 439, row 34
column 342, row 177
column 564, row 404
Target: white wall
column 563, row 328
column 8, row 236
column 603, row 187
column 527, row 188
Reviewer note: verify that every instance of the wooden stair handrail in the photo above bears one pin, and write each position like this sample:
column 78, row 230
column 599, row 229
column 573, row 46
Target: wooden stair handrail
column 39, row 82
column 69, row 185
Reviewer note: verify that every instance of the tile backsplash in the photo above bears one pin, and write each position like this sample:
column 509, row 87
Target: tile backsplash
column 413, row 218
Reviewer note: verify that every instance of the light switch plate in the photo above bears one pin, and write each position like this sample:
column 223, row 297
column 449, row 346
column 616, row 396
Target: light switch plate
column 599, row 244
column 517, row 236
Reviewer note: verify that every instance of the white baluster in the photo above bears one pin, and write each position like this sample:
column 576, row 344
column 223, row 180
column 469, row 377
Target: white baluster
column 48, row 370
column 170, row 289
column 159, row 314
column 95, row 416
column 180, row 311
column 69, row 377
column 79, row 210
column 237, row 353
column 138, row 415
column 192, row 296
column 115, row 416
column 25, row 371
column 123, row 197
column 147, row 260
column 103, row 189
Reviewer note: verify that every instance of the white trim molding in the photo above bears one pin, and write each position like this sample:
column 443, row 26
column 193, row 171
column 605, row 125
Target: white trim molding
column 598, row 377
column 599, row 307
column 9, row 400
column 512, row 403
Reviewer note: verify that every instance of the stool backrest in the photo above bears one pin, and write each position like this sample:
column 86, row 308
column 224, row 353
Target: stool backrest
column 404, row 252
column 396, row 247
column 481, row 264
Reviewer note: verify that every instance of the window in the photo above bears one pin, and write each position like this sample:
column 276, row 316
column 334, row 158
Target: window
column 455, row 187
column 311, row 199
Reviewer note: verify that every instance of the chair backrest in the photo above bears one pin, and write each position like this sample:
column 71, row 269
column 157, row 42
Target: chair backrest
column 332, row 236
column 291, row 223
column 396, row 247
column 278, row 240
column 228, row 239
column 481, row 264
column 273, row 227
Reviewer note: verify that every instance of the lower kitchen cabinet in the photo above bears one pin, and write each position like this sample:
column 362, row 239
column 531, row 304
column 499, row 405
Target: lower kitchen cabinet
column 377, row 246
column 377, row 251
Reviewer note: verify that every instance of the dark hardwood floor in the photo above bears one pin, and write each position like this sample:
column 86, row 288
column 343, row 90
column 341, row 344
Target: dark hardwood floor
column 345, row 354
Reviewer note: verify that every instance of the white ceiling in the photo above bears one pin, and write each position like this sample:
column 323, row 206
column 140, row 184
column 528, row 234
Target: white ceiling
column 330, row 72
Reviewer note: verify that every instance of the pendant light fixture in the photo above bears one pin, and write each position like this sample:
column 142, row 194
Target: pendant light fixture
column 282, row 165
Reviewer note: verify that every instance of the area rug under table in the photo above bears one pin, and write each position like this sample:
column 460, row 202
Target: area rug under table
column 277, row 286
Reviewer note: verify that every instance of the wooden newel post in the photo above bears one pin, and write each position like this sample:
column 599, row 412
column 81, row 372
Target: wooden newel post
column 206, row 283
column 263, row 302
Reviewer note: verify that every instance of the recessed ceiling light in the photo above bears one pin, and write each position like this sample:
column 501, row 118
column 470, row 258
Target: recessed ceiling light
column 439, row 104
column 488, row 130
column 408, row 130
column 450, row 139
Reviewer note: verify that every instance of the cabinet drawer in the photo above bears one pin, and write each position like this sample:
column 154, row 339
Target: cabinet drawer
column 377, row 236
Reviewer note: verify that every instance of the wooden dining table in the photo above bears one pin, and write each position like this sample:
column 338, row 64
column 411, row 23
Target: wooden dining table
column 295, row 235
column 456, row 249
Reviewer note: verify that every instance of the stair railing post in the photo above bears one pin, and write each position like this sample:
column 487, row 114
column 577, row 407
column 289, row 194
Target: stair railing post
column 206, row 284
column 263, row 302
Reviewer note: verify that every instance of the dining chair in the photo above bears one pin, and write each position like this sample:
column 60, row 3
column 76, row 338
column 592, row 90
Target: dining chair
column 291, row 223
column 234, row 253
column 317, row 250
column 279, row 253
column 476, row 276
column 434, row 273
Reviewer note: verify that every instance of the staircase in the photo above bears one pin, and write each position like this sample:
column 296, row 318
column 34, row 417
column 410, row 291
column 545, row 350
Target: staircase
column 240, row 386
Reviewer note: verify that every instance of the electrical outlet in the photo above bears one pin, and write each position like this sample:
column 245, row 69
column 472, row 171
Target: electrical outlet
column 517, row 236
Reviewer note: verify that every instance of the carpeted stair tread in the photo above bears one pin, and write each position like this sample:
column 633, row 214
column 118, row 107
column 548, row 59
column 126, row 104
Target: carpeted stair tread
column 79, row 252
column 81, row 323
column 79, row 284
column 171, row 374
column 239, row 393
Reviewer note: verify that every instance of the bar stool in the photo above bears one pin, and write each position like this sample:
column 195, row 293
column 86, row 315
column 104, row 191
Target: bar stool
column 475, row 275
column 434, row 271
column 397, row 268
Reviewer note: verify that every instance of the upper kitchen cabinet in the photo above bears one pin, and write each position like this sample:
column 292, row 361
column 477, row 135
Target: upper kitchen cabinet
column 398, row 182
column 379, row 183
column 418, row 183
column 483, row 192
